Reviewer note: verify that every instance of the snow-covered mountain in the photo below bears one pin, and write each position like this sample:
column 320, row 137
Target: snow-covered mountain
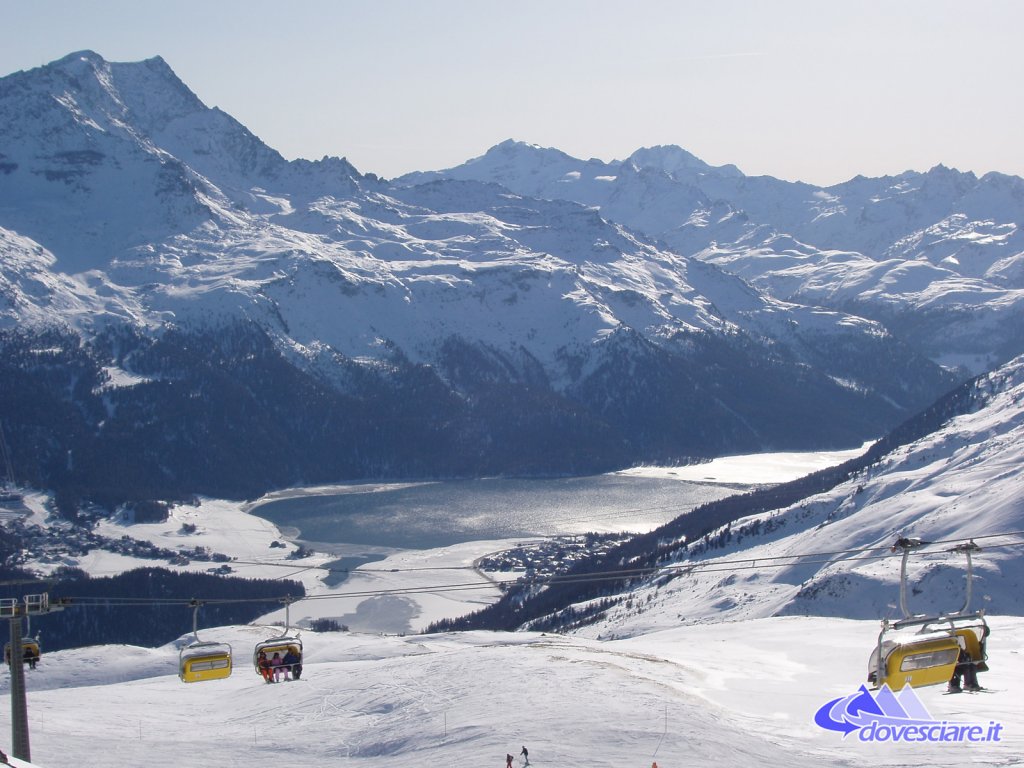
column 516, row 333
column 827, row 555
column 934, row 256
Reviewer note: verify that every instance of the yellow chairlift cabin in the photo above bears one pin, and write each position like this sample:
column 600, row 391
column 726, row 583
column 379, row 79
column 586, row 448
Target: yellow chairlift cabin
column 284, row 646
column 920, row 650
column 31, row 649
column 199, row 661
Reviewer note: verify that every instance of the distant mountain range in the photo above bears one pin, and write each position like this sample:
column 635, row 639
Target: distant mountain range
column 937, row 257
column 182, row 310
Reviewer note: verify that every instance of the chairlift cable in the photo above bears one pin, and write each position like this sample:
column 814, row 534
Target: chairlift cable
column 761, row 563
column 886, row 547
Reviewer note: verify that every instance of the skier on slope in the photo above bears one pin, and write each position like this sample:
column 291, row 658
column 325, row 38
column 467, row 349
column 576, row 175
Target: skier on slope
column 526, row 754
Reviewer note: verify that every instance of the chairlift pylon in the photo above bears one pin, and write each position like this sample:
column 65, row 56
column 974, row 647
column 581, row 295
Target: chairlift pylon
column 922, row 649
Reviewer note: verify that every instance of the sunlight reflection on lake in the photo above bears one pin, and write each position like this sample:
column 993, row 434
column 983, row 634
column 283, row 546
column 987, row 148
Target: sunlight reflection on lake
column 436, row 514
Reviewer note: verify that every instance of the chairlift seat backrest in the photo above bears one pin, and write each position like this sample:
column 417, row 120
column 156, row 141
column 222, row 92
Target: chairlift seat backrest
column 916, row 660
column 971, row 643
column 204, row 661
column 37, row 603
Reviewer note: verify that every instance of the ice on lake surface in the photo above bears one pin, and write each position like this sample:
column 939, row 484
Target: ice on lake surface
column 438, row 514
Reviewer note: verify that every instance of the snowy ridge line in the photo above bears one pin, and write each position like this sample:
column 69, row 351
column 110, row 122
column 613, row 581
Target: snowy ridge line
column 860, row 550
column 707, row 566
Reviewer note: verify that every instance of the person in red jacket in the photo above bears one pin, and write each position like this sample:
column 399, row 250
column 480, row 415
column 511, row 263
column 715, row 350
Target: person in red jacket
column 264, row 666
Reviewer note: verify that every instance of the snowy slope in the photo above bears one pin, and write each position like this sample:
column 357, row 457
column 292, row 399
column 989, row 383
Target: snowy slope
column 724, row 688
column 719, row 695
column 953, row 289
column 960, row 482
column 371, row 699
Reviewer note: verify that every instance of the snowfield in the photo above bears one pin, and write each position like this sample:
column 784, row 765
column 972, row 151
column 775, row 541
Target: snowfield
column 726, row 695
column 753, row 469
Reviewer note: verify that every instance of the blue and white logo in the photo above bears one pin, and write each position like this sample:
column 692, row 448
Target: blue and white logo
column 884, row 716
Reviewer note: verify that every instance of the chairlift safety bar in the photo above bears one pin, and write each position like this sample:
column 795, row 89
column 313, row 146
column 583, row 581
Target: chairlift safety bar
column 915, row 621
column 12, row 608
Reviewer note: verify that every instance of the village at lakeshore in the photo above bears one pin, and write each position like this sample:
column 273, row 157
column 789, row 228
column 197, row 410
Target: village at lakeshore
column 666, row 686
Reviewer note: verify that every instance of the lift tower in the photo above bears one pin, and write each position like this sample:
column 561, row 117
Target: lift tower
column 14, row 610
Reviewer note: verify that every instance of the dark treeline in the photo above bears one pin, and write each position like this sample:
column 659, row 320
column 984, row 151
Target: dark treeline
column 223, row 412
column 524, row 603
column 84, row 622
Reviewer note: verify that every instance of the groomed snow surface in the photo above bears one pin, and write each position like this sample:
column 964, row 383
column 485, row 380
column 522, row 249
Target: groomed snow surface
column 739, row 694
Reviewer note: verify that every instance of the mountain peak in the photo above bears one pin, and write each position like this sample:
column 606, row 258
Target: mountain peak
column 673, row 159
column 511, row 159
column 513, row 148
column 512, row 145
column 944, row 171
column 90, row 57
column 147, row 94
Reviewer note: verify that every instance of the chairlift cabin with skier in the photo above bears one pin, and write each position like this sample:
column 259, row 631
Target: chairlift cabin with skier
column 285, row 645
column 920, row 650
column 11, row 608
column 31, row 651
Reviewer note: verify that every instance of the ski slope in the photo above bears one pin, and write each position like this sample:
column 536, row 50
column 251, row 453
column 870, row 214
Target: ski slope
column 964, row 480
column 717, row 695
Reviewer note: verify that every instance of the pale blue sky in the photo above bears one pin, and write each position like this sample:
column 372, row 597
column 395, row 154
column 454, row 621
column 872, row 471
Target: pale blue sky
column 817, row 90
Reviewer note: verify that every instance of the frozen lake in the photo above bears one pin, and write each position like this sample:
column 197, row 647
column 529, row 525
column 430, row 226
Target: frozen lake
column 428, row 515
column 438, row 514
column 433, row 532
